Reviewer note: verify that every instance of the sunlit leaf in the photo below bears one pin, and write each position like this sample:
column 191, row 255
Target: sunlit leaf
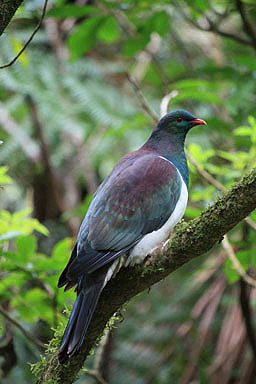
column 26, row 245
column 108, row 30
column 4, row 178
column 17, row 47
column 84, row 37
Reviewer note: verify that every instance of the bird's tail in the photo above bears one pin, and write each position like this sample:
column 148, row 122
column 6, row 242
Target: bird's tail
column 79, row 320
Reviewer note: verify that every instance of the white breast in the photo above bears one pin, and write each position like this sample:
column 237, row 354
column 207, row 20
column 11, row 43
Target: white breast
column 152, row 240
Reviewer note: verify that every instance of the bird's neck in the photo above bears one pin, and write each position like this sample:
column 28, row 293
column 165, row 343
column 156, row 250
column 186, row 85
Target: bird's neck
column 170, row 147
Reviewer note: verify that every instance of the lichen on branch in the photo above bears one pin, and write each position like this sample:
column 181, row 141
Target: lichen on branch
column 188, row 241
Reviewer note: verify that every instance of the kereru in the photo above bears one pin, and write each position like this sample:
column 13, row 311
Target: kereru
column 132, row 212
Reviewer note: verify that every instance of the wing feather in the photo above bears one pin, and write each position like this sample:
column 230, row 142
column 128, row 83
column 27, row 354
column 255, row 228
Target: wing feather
column 132, row 202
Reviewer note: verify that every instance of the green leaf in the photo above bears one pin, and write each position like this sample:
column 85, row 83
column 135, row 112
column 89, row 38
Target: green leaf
column 71, row 10
column 191, row 83
column 201, row 4
column 206, row 97
column 159, row 22
column 22, row 214
column 199, row 154
column 15, row 279
column 61, row 251
column 134, row 45
column 245, row 61
column 80, row 209
column 27, row 245
column 109, row 30
column 84, row 37
column 33, row 305
column 12, row 261
column 192, row 212
column 4, row 179
column 243, row 131
column 17, row 47
column 18, row 222
column 230, row 272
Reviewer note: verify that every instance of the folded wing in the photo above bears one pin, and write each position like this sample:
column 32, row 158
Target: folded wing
column 137, row 198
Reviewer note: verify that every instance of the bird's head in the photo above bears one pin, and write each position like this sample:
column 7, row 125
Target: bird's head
column 179, row 122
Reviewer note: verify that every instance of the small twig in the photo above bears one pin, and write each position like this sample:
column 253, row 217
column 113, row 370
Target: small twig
column 29, row 40
column 101, row 351
column 96, row 375
column 205, row 174
column 250, row 222
column 220, row 15
column 129, row 30
column 96, row 372
column 247, row 26
column 23, row 330
column 144, row 58
column 212, row 28
column 236, row 263
column 144, row 104
column 59, row 48
column 165, row 102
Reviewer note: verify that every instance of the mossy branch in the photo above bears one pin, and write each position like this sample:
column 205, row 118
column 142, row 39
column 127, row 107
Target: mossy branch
column 189, row 241
column 7, row 11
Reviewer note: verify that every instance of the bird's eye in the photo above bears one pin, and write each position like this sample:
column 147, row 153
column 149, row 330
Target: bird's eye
column 179, row 119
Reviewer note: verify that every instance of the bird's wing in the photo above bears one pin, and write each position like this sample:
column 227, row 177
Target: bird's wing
column 132, row 202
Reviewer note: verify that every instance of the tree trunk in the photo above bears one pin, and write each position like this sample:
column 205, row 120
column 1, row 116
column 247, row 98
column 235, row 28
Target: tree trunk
column 7, row 11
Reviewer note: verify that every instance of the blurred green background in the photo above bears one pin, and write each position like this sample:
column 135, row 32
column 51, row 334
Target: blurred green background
column 68, row 112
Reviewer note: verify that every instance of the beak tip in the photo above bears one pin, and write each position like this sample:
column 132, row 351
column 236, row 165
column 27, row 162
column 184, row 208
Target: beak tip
column 199, row 122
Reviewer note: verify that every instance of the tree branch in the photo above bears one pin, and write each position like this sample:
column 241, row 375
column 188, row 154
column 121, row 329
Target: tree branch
column 211, row 180
column 247, row 26
column 11, row 62
column 212, row 27
column 189, row 241
column 28, row 335
column 7, row 11
column 129, row 30
column 143, row 102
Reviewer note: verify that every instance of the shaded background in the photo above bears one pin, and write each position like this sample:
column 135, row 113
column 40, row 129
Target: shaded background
column 70, row 107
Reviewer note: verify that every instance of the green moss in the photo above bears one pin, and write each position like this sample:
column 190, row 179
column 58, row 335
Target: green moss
column 39, row 368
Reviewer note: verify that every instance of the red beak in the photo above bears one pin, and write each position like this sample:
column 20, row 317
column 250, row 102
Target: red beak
column 199, row 122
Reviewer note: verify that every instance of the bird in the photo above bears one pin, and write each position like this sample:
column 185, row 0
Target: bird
column 132, row 212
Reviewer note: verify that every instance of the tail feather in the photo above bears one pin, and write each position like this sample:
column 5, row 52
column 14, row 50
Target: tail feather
column 79, row 321
column 63, row 277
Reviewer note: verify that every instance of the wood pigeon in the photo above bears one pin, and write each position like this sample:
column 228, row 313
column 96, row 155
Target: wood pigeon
column 132, row 212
